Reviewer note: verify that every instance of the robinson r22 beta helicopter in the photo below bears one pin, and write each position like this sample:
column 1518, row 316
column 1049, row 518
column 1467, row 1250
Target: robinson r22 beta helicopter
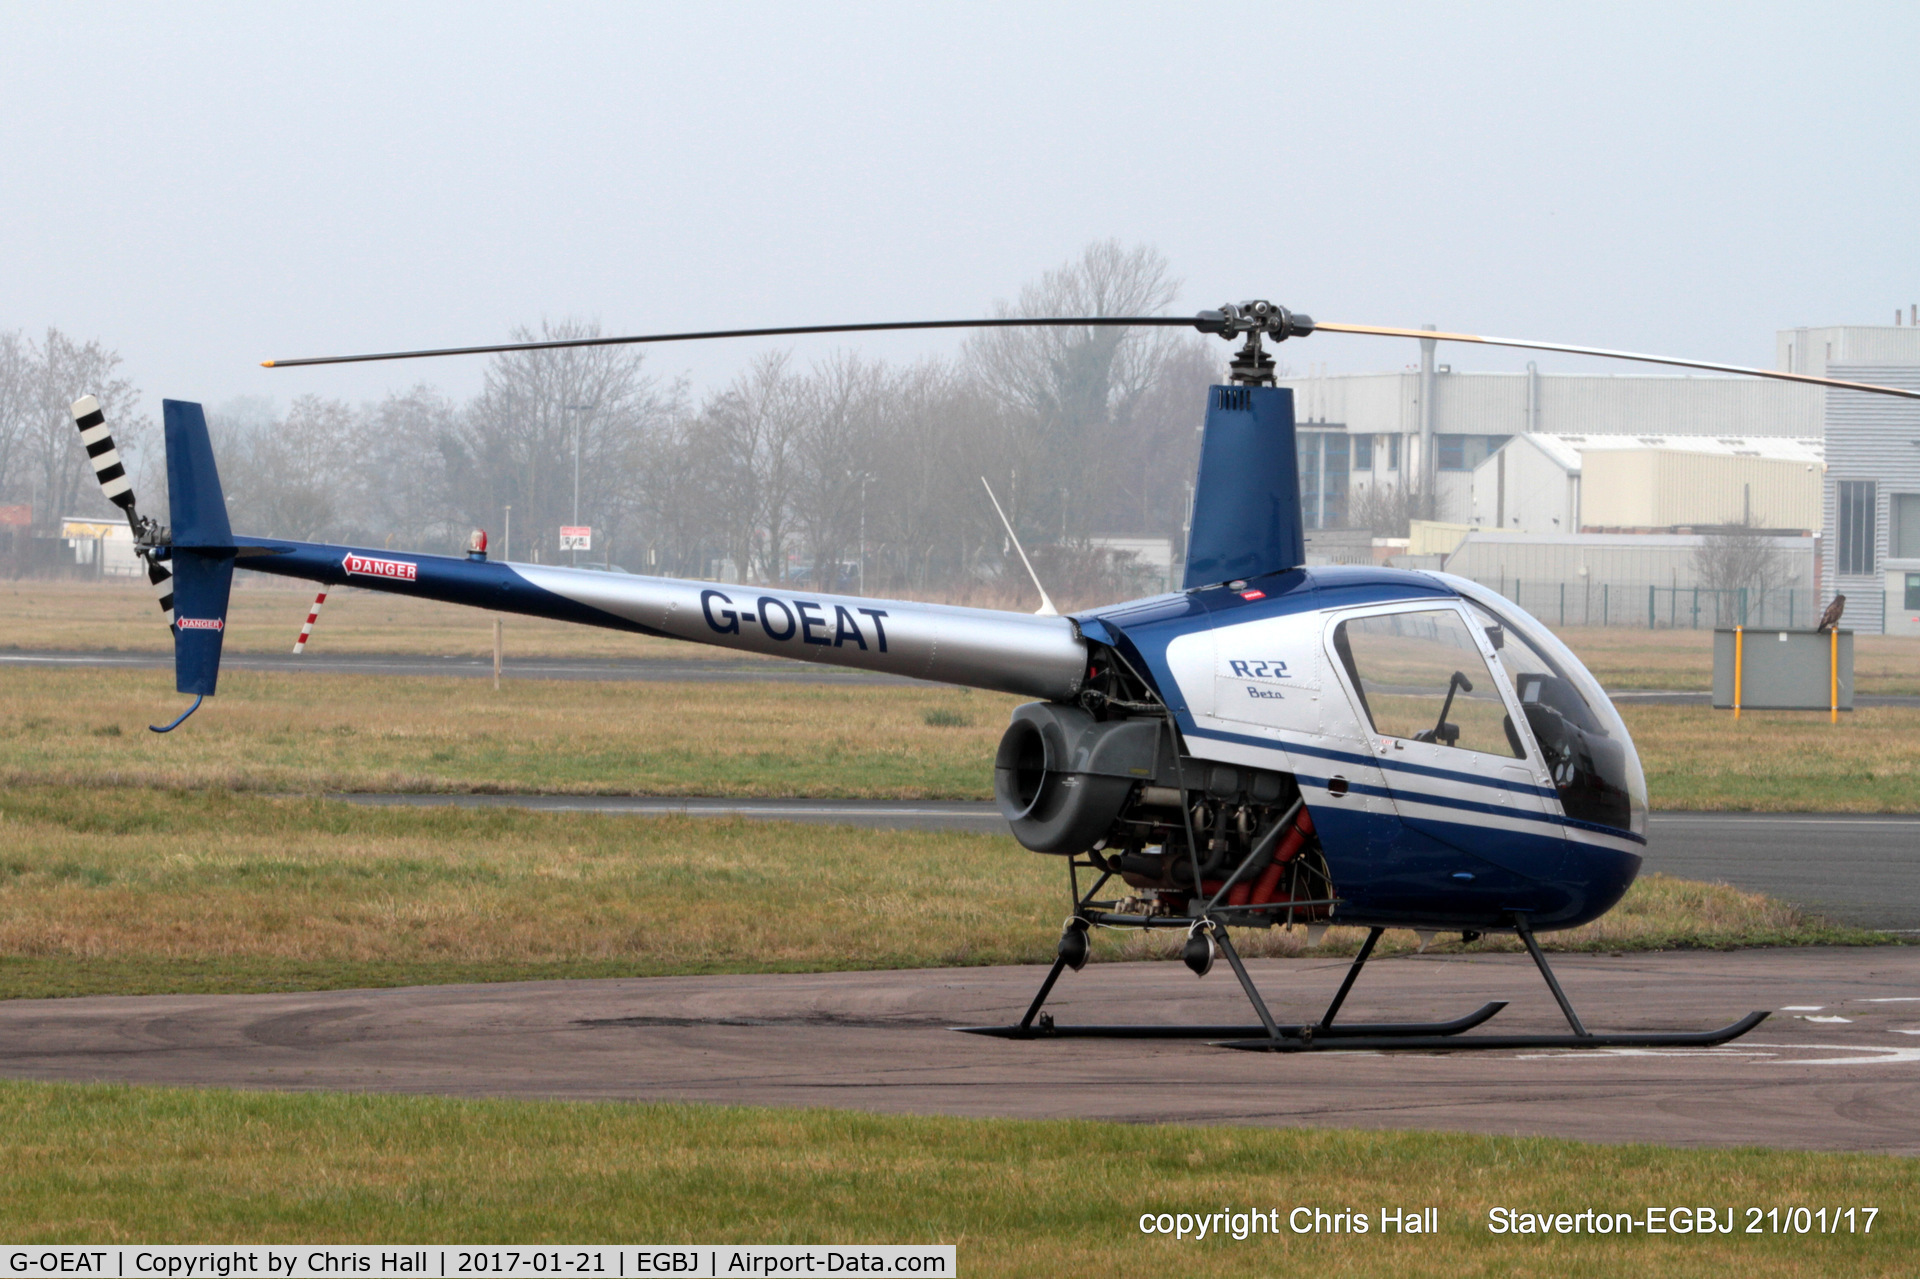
column 1273, row 744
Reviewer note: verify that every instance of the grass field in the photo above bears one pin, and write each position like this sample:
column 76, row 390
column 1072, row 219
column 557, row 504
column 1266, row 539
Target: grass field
column 320, row 732
column 1019, row 1198
column 1625, row 657
column 267, row 613
column 134, row 891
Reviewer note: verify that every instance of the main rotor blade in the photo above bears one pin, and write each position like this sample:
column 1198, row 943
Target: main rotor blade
column 1098, row 321
column 1374, row 330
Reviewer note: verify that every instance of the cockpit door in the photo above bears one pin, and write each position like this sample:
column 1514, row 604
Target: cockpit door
column 1449, row 733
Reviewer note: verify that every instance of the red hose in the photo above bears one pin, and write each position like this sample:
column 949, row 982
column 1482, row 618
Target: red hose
column 1290, row 846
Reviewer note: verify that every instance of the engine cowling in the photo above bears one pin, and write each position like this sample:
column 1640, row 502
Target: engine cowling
column 1062, row 777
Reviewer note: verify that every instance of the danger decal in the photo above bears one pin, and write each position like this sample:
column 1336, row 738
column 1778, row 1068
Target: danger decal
column 370, row 566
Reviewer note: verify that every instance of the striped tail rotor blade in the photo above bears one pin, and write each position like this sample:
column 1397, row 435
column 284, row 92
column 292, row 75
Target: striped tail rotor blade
column 107, row 466
column 162, row 579
column 300, row 645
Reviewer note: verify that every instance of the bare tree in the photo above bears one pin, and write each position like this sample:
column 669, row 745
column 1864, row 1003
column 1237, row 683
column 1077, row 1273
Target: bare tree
column 1739, row 557
column 753, row 428
column 843, row 407
column 50, row 464
column 1389, row 509
column 19, row 409
column 517, row 442
column 404, row 452
column 1065, row 388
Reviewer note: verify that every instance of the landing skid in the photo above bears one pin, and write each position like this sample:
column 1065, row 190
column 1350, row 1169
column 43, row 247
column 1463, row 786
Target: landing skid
column 1047, row 1028
column 1325, row 1036
column 1433, row 1043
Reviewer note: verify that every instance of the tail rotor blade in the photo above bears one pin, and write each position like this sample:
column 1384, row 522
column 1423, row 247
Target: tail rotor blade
column 161, row 577
column 107, row 466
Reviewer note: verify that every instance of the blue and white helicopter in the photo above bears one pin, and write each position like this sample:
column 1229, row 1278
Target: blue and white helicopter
column 1274, row 744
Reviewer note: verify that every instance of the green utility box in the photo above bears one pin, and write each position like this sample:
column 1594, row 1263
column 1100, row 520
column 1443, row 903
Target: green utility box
column 1783, row 670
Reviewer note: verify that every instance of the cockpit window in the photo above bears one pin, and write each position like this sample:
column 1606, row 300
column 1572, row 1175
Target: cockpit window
column 1421, row 677
column 1591, row 766
column 1536, row 677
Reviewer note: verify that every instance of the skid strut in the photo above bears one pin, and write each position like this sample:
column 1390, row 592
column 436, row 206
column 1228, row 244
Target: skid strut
column 1580, row 1038
column 1324, row 1035
column 1269, row 1032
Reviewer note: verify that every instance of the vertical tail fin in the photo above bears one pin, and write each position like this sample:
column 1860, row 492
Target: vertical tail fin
column 203, row 550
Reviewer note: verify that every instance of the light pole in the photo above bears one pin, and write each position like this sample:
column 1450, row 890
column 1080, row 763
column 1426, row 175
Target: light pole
column 577, row 408
column 864, row 477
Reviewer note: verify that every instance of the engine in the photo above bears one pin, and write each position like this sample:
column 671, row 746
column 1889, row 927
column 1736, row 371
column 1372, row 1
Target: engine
column 1117, row 790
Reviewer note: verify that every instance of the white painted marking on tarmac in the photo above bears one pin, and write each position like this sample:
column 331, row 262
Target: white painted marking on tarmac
column 1570, row 1054
column 1731, row 819
column 1802, row 1008
column 1894, row 999
column 1881, row 1054
column 1844, row 1020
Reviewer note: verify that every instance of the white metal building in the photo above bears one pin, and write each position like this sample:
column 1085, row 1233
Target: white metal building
column 1626, row 483
column 1872, row 547
column 1358, row 430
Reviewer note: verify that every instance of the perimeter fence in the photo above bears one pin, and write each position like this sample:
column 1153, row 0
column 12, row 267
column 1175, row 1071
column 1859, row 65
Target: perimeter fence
column 1644, row 604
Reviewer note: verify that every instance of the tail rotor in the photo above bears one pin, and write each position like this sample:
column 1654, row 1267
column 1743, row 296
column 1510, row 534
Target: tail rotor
column 108, row 468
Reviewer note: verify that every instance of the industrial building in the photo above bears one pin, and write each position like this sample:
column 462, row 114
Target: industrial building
column 1871, row 547
column 1362, row 430
column 1647, row 483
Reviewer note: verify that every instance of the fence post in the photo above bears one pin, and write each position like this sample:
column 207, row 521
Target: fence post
column 1563, row 603
column 1604, row 588
column 1743, row 606
column 1696, row 608
column 1650, row 591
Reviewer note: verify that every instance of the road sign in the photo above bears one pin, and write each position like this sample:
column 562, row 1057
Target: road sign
column 576, row 537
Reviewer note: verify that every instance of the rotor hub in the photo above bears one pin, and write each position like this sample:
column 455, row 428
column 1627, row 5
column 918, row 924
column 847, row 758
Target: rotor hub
column 1254, row 320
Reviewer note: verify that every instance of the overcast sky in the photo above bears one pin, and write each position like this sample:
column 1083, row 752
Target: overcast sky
column 203, row 187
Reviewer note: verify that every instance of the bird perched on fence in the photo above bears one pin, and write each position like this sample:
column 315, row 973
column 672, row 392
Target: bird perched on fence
column 1831, row 618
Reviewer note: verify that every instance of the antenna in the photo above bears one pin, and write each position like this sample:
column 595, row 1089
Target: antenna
column 1046, row 608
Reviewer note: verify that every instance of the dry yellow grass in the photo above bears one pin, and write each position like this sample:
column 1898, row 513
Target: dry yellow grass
column 90, row 1164
column 316, row 732
column 267, row 613
column 1625, row 657
column 1779, row 761
column 131, row 890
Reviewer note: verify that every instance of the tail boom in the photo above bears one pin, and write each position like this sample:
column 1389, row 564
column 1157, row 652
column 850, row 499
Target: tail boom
column 978, row 648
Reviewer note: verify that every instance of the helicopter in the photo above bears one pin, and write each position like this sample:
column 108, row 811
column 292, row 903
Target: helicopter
column 1273, row 744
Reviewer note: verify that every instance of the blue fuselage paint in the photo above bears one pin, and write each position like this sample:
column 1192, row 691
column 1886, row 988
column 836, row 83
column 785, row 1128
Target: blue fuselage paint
column 1454, row 847
column 446, row 578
